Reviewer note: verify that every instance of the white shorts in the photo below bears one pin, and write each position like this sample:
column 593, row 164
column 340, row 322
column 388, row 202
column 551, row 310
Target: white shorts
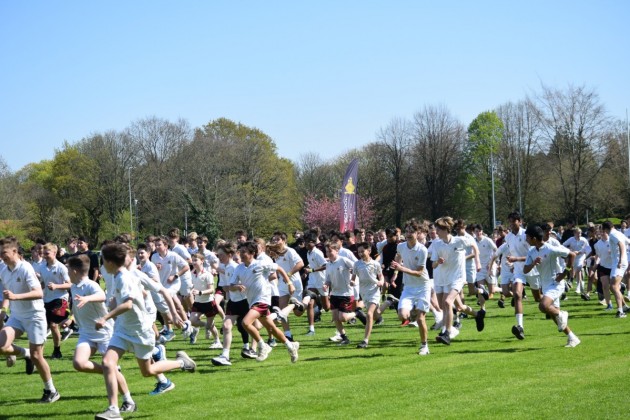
column 618, row 272
column 415, row 297
column 488, row 276
column 100, row 346
column 534, row 282
column 471, row 274
column 356, row 292
column 372, row 297
column 185, row 287
column 506, row 277
column 457, row 285
column 34, row 326
column 554, row 290
column 518, row 277
column 283, row 289
column 139, row 349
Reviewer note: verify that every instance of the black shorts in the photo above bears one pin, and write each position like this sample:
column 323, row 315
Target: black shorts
column 603, row 271
column 56, row 311
column 239, row 308
column 275, row 301
column 209, row 309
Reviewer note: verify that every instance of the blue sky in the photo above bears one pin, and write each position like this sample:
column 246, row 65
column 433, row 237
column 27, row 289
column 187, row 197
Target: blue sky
column 321, row 76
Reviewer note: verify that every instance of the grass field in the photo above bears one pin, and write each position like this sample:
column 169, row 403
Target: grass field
column 481, row 375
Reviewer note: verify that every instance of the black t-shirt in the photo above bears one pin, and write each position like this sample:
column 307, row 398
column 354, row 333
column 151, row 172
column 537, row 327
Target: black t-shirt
column 93, row 256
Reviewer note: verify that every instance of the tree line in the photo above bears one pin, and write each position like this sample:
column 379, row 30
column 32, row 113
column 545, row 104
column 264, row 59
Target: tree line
column 555, row 155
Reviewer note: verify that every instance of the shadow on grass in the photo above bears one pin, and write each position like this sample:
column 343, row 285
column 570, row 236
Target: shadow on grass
column 510, row 350
column 354, row 356
column 82, row 413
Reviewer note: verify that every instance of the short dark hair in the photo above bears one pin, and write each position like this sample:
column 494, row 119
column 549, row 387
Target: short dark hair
column 607, row 225
column 514, row 216
column 535, row 232
column 115, row 253
column 81, row 263
column 250, row 247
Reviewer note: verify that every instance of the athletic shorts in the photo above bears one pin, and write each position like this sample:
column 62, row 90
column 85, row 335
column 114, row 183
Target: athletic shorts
column 209, row 309
column 219, row 291
column 471, row 274
column 185, row 287
column 35, row 326
column 554, row 290
column 457, row 285
column 261, row 308
column 518, row 276
column 603, row 271
column 415, row 297
column 506, row 277
column 342, row 303
column 100, row 346
column 139, row 349
column 534, row 282
column 275, row 301
column 56, row 311
column 618, row 272
column 372, row 297
column 238, row 308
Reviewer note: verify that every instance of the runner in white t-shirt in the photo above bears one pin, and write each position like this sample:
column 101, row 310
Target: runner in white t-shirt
column 411, row 258
column 89, row 305
column 544, row 256
column 449, row 274
column 23, row 294
column 518, row 248
column 132, row 330
column 617, row 243
column 370, row 277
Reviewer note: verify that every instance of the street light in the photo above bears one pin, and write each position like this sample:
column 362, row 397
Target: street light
column 130, row 208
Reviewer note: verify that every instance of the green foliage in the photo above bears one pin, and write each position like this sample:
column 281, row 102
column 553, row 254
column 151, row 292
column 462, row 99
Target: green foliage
column 15, row 228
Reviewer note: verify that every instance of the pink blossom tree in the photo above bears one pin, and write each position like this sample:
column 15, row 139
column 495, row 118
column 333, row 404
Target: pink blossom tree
column 324, row 212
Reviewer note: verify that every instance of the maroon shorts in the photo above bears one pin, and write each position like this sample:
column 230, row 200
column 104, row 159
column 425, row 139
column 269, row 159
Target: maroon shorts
column 239, row 308
column 342, row 303
column 209, row 309
column 219, row 291
column 261, row 308
column 56, row 311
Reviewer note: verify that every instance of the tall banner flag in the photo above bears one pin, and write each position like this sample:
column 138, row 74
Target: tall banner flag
column 348, row 212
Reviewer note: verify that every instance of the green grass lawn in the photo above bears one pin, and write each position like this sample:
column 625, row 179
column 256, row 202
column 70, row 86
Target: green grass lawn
column 481, row 375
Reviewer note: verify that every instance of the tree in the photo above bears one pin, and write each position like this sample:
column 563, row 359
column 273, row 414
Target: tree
column 438, row 143
column 484, row 137
column 324, row 212
column 395, row 141
column 575, row 126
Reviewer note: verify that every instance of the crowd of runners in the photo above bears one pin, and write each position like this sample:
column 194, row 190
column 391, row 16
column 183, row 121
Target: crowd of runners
column 446, row 269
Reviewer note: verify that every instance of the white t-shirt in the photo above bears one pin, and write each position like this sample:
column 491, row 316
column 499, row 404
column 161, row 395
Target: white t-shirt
column 316, row 261
column 86, row 316
column 338, row 276
column 22, row 279
column 614, row 237
column 414, row 258
column 134, row 324
column 367, row 272
column 255, row 279
column 579, row 245
column 167, row 266
column 203, row 281
column 289, row 260
column 486, row 248
column 602, row 249
column 210, row 259
column 148, row 284
column 518, row 248
column 57, row 274
column 346, row 253
column 549, row 267
column 224, row 281
column 454, row 253
column 181, row 250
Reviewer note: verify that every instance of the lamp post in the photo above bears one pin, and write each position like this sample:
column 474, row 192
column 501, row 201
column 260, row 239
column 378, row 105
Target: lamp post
column 130, row 207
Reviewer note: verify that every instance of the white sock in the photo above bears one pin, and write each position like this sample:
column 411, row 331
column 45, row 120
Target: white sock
column 49, row 386
column 114, row 408
column 226, row 354
column 161, row 378
column 519, row 320
column 572, row 336
column 273, row 316
column 311, row 327
column 246, row 346
column 127, row 398
column 24, row 353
